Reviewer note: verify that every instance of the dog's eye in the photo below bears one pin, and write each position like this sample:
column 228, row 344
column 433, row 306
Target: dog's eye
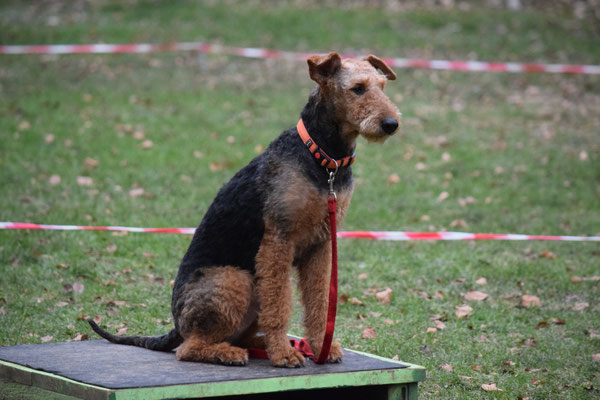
column 359, row 89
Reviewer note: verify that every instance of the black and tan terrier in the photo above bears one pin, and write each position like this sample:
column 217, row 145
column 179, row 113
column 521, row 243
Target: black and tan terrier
column 233, row 289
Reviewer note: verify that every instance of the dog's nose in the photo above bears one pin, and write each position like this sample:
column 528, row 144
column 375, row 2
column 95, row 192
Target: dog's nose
column 389, row 125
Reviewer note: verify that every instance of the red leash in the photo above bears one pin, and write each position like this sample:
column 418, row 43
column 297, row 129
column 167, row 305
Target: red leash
column 333, row 283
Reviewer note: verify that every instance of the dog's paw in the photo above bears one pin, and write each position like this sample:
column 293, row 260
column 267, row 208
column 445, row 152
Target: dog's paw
column 335, row 353
column 289, row 358
column 220, row 353
column 234, row 357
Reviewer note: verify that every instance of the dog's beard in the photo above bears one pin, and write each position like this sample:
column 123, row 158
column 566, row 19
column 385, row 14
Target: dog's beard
column 370, row 129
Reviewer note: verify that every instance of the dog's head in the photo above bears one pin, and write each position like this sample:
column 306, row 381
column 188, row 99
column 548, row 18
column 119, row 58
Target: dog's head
column 355, row 90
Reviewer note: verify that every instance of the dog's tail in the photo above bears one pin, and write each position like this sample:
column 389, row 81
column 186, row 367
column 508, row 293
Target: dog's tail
column 160, row 343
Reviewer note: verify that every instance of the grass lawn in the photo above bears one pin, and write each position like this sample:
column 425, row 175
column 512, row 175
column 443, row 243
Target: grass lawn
column 147, row 140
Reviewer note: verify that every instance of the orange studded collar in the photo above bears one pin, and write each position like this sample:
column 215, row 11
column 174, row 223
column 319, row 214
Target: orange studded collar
column 320, row 156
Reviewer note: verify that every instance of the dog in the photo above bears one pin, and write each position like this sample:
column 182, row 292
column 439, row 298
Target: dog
column 233, row 289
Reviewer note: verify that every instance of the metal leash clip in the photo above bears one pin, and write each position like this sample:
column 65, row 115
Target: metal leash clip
column 331, row 179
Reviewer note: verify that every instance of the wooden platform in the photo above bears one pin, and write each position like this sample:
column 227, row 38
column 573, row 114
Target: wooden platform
column 96, row 369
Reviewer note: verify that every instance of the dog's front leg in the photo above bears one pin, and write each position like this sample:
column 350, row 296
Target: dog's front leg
column 314, row 274
column 273, row 270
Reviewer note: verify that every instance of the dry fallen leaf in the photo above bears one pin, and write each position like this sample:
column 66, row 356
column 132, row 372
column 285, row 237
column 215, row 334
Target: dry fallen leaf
column 393, row 179
column 491, row 387
column 461, row 223
column 136, row 192
column 439, row 324
column 466, row 201
column 463, row 311
column 368, row 333
column 85, row 181
column 443, row 196
column 90, row 162
column 78, row 287
column 388, row 321
column 122, row 331
column 481, row 281
column 508, row 363
column 528, row 301
column 216, row 166
column 595, row 357
column 594, row 334
column 384, row 297
column 446, row 367
column 547, row 254
column 541, row 324
column 558, row 321
column 46, row 339
column 431, row 330
column 356, row 301
column 475, row 295
column 580, row 306
column 80, row 337
column 363, row 276
column 111, row 248
column 146, row 144
column 375, row 314
column 54, row 180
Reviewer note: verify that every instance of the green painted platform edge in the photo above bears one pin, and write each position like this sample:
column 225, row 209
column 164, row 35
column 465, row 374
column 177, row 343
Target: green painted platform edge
column 412, row 374
column 51, row 382
column 13, row 390
column 272, row 385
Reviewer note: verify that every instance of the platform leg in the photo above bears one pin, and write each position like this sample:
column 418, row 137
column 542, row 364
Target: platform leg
column 405, row 391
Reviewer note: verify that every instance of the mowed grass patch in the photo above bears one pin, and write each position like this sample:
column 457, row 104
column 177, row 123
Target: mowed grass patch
column 513, row 153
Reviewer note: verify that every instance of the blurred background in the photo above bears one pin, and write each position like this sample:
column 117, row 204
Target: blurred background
column 148, row 139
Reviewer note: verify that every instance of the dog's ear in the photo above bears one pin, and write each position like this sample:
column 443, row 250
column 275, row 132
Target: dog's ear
column 322, row 68
column 379, row 64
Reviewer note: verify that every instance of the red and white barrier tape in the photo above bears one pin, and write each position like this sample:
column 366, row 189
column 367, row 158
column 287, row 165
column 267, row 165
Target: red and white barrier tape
column 388, row 235
column 276, row 54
